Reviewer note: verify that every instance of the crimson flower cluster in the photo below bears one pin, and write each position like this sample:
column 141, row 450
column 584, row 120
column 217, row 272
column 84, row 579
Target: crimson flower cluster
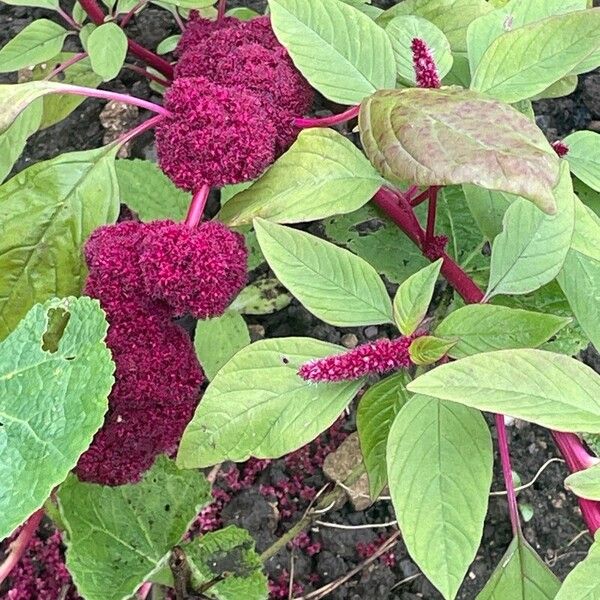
column 144, row 274
column 232, row 104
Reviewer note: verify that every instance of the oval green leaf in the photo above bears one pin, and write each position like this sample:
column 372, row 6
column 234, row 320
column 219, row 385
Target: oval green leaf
column 586, row 483
column 340, row 51
column 107, row 47
column 441, row 137
column 584, row 157
column 51, row 403
column 260, row 385
column 440, row 471
column 427, row 349
column 583, row 583
column 332, row 283
column 549, row 389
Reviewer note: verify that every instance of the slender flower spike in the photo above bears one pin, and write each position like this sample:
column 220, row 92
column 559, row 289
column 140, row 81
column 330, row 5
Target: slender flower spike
column 380, row 356
column 560, row 148
column 425, row 68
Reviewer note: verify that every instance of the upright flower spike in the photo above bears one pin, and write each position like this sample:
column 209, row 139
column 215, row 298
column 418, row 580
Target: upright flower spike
column 425, row 68
column 381, row 356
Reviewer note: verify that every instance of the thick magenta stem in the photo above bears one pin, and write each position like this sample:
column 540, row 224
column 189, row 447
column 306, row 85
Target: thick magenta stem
column 96, row 15
column 509, row 484
column 420, row 198
column 351, row 113
column 18, row 547
column 431, row 214
column 196, row 209
column 64, row 66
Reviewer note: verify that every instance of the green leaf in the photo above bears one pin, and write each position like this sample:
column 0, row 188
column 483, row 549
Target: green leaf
column 524, row 62
column 414, row 296
column 521, row 575
column 563, row 87
column 260, row 387
column 227, row 192
column 485, row 327
column 515, row 14
column 582, row 583
column 532, row 247
column 168, row 44
column 227, row 555
column 218, row 339
column 49, row 4
column 589, row 197
column 451, row 16
column 586, row 483
column 242, row 13
column 440, row 471
column 46, row 214
column 119, row 536
column 365, row 7
column 262, row 297
column 107, row 47
column 440, row 137
column 84, row 34
column 193, row 4
column 427, row 349
column 39, row 41
column 13, row 140
column 403, row 30
column 332, row 283
column 584, row 157
column 51, row 403
column 488, row 208
column 340, row 51
column 376, row 412
column 549, row 389
column 321, row 175
column 149, row 192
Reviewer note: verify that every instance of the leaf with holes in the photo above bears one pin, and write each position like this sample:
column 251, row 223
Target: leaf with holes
column 584, row 157
column 376, row 412
column 549, row 389
column 119, row 536
column 332, row 283
column 261, row 385
column 440, row 458
column 340, row 50
column 262, row 297
column 454, row 136
column 52, row 401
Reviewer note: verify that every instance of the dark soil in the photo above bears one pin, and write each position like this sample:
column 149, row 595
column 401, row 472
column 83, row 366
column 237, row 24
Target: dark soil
column 555, row 528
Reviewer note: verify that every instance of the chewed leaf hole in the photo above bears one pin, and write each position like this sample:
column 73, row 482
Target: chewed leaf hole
column 57, row 323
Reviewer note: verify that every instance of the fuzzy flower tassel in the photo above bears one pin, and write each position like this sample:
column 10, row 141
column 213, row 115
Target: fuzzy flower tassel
column 426, row 71
column 381, row 356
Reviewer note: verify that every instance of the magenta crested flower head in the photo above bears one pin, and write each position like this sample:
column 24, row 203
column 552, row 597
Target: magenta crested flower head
column 216, row 135
column 198, row 29
column 381, row 356
column 424, row 64
column 195, row 270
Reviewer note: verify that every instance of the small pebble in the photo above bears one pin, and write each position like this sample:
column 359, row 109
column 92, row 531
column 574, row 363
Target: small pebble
column 349, row 340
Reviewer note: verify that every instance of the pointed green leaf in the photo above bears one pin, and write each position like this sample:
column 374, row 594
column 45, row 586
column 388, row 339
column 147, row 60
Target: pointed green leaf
column 549, row 389
column 441, row 137
column 321, row 175
column 107, row 47
column 340, row 51
column 403, row 30
column 485, row 327
column 332, row 283
column 586, row 483
column 260, row 385
column 39, row 41
column 149, row 192
column 49, row 4
column 218, row 339
column 376, row 412
column 262, row 297
column 119, row 536
column 583, row 583
column 488, row 208
column 524, row 62
column 427, row 349
column 584, row 157
column 532, row 247
column 46, row 214
column 168, row 44
column 521, row 575
column 51, row 403
column 563, row 87
column 229, row 556
column 414, row 296
column 440, row 471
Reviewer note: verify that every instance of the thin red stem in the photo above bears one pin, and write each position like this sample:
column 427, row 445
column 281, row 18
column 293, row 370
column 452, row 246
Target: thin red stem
column 431, row 214
column 420, row 198
column 96, row 15
column 68, row 18
column 221, row 10
column 196, row 209
column 145, row 126
column 509, row 484
column 125, row 20
column 351, row 113
column 179, row 21
column 147, row 74
column 18, row 547
column 64, row 66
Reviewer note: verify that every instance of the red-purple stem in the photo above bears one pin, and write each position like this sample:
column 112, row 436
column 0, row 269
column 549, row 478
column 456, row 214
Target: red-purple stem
column 509, row 484
column 68, row 18
column 196, row 209
column 147, row 74
column 96, row 15
column 125, row 20
column 221, row 10
column 351, row 113
column 420, row 198
column 431, row 213
column 145, row 126
column 64, row 66
column 18, row 547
